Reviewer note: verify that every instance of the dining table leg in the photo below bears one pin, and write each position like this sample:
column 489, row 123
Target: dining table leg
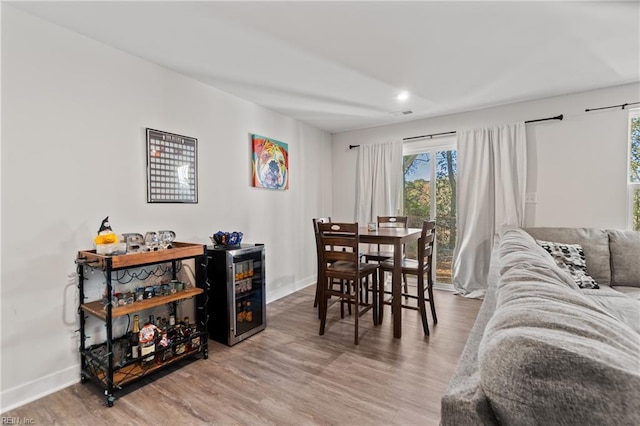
column 396, row 290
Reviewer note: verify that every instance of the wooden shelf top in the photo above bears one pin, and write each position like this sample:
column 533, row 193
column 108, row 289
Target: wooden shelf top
column 97, row 308
column 179, row 251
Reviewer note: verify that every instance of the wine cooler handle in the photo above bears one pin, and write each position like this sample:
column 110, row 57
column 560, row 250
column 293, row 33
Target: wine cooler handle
column 232, row 291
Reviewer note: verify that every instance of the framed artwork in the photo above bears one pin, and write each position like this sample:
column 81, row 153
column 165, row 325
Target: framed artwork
column 172, row 168
column 270, row 163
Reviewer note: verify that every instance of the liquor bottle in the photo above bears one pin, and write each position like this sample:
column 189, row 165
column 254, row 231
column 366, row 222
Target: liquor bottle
column 186, row 332
column 180, row 348
column 195, row 337
column 147, row 342
column 134, row 338
column 162, row 346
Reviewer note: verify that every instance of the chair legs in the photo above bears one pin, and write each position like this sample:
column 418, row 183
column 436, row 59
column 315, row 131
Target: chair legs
column 356, row 317
column 406, row 286
column 432, row 302
column 420, row 297
column 317, row 298
column 421, row 307
column 351, row 293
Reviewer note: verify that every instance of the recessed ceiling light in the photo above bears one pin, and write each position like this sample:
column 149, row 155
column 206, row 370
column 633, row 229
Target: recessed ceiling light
column 403, row 96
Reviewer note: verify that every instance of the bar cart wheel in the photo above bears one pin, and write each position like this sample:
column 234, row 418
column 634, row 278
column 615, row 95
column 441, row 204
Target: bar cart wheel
column 83, row 379
column 110, row 400
column 205, row 353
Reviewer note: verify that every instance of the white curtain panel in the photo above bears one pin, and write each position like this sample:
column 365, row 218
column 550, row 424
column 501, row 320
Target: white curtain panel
column 492, row 171
column 378, row 181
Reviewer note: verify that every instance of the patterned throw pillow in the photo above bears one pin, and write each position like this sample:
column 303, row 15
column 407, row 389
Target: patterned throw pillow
column 570, row 257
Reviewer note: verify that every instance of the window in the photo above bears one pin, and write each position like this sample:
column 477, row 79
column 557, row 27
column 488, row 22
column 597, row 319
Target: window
column 429, row 177
column 634, row 169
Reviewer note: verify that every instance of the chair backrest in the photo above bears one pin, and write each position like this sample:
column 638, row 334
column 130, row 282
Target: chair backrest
column 393, row 221
column 338, row 241
column 425, row 244
column 317, row 220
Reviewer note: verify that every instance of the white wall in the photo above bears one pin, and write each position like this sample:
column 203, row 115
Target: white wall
column 577, row 166
column 74, row 114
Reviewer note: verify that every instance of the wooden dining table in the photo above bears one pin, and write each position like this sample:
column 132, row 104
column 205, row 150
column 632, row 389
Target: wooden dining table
column 395, row 237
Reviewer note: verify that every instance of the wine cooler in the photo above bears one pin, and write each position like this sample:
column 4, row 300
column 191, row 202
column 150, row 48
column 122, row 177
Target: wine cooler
column 237, row 308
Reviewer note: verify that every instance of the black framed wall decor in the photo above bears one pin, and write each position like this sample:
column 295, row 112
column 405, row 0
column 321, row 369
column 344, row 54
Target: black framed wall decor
column 172, row 168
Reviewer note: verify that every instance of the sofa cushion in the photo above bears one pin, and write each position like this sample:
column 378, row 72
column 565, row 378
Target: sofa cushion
column 625, row 257
column 633, row 292
column 619, row 305
column 570, row 258
column 594, row 242
column 550, row 354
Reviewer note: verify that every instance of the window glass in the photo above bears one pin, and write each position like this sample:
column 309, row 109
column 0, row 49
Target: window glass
column 634, row 154
column 635, row 210
column 430, row 170
column 634, row 169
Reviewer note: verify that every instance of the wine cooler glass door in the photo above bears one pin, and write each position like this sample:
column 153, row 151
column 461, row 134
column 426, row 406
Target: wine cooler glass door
column 248, row 290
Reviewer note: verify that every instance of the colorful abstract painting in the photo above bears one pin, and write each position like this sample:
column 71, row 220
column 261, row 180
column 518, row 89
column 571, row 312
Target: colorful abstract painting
column 270, row 163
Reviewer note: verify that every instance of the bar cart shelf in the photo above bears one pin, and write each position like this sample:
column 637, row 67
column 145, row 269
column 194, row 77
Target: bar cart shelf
column 97, row 361
column 97, row 308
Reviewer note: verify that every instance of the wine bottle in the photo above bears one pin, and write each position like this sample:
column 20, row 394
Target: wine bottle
column 180, row 347
column 186, row 332
column 134, row 338
column 147, row 342
column 195, row 337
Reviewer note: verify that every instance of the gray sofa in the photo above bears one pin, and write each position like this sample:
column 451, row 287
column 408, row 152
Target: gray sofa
column 544, row 351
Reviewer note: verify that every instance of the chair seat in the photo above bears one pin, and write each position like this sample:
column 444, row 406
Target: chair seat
column 349, row 267
column 378, row 256
column 409, row 266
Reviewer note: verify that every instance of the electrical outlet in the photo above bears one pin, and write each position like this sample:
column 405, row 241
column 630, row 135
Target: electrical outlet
column 531, row 197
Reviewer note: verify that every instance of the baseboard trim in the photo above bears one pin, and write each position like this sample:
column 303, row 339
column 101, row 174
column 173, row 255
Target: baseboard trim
column 39, row 388
column 445, row 287
column 272, row 296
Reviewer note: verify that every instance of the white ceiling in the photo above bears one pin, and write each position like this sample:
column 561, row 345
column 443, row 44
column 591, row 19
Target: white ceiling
column 339, row 65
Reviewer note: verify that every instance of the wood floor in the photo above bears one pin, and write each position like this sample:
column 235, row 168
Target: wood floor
column 289, row 375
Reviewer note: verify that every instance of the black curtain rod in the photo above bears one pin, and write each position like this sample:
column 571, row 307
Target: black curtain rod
column 557, row 117
column 623, row 106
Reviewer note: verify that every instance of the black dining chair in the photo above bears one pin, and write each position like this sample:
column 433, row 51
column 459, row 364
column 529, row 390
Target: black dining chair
column 421, row 268
column 334, row 281
column 385, row 252
column 340, row 260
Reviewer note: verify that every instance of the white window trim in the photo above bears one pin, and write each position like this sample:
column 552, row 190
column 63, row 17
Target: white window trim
column 632, row 186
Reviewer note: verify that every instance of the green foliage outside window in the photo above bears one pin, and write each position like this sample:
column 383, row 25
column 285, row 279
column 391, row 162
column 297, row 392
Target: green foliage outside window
column 636, row 210
column 417, row 204
column 634, row 170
